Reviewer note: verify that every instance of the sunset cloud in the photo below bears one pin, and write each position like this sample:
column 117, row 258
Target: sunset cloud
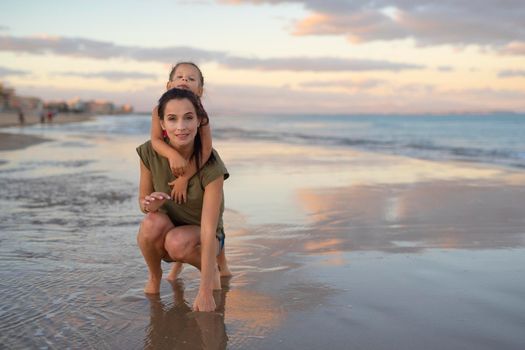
column 494, row 23
column 445, row 68
column 508, row 73
column 345, row 84
column 514, row 48
column 95, row 49
column 87, row 48
column 315, row 64
column 4, row 72
column 111, row 75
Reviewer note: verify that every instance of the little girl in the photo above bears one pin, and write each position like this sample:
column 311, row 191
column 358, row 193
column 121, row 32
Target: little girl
column 184, row 75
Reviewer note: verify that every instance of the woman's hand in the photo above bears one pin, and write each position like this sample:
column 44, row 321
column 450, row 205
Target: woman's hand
column 204, row 302
column 177, row 164
column 178, row 192
column 154, row 201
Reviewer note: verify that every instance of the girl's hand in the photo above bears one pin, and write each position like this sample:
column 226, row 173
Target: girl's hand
column 204, row 302
column 154, row 201
column 177, row 164
column 178, row 192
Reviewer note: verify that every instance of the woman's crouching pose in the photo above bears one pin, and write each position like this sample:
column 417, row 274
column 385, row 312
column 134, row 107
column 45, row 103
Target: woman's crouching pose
column 191, row 232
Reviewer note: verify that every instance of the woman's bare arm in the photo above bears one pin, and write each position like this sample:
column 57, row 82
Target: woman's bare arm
column 209, row 220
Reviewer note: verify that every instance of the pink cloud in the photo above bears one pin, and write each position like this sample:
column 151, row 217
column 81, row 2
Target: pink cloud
column 496, row 24
column 515, row 48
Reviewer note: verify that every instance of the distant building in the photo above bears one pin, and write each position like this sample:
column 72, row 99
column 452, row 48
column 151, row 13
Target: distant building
column 30, row 103
column 100, row 107
column 10, row 102
column 97, row 107
column 76, row 105
column 6, row 98
column 57, row 106
column 126, row 109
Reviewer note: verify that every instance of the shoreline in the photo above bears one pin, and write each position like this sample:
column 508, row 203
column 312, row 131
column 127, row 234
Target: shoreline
column 10, row 141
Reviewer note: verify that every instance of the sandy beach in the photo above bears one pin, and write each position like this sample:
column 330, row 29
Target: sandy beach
column 330, row 247
column 12, row 141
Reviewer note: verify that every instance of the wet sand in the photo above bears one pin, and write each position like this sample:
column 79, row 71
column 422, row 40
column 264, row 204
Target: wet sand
column 9, row 142
column 330, row 248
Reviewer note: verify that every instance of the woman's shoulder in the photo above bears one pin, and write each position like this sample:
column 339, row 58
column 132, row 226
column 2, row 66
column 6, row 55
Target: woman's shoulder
column 215, row 160
column 146, row 152
column 146, row 147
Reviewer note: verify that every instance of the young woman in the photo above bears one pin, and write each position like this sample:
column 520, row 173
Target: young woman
column 191, row 232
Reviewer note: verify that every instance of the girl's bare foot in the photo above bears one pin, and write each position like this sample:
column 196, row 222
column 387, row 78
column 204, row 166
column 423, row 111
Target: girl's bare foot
column 176, row 269
column 217, row 279
column 223, row 264
column 224, row 270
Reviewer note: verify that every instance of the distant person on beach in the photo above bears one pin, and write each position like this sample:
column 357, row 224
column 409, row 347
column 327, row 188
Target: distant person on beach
column 190, row 232
column 21, row 118
column 184, row 75
column 50, row 115
column 42, row 116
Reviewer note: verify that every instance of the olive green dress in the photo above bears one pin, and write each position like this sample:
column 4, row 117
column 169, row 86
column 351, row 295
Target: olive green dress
column 190, row 212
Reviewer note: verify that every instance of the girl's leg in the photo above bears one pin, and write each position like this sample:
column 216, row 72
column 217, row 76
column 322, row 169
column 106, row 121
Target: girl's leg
column 150, row 239
column 223, row 264
column 224, row 270
column 176, row 269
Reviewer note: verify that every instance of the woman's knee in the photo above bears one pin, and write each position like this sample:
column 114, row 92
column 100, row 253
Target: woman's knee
column 179, row 244
column 153, row 227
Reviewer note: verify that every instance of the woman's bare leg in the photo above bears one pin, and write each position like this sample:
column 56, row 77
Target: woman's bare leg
column 182, row 243
column 150, row 239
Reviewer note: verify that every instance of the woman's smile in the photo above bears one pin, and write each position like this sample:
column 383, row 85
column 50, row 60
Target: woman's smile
column 182, row 136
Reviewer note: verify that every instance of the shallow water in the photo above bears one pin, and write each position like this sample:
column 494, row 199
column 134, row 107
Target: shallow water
column 316, row 263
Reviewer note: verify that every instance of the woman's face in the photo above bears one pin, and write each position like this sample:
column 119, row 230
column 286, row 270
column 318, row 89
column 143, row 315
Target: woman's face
column 186, row 77
column 180, row 122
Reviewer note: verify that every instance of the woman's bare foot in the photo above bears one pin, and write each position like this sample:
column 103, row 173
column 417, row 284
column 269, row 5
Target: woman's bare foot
column 152, row 286
column 176, row 269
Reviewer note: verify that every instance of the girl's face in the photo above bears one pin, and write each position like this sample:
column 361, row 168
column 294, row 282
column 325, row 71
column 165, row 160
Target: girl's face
column 180, row 122
column 186, row 77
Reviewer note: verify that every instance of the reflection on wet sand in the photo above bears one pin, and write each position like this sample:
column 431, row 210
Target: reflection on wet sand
column 177, row 326
column 174, row 325
column 409, row 218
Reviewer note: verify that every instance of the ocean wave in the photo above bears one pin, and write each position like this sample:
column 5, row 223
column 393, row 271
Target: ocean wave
column 420, row 149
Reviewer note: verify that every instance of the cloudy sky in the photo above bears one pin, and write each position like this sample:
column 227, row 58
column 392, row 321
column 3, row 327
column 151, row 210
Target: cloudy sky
column 309, row 56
